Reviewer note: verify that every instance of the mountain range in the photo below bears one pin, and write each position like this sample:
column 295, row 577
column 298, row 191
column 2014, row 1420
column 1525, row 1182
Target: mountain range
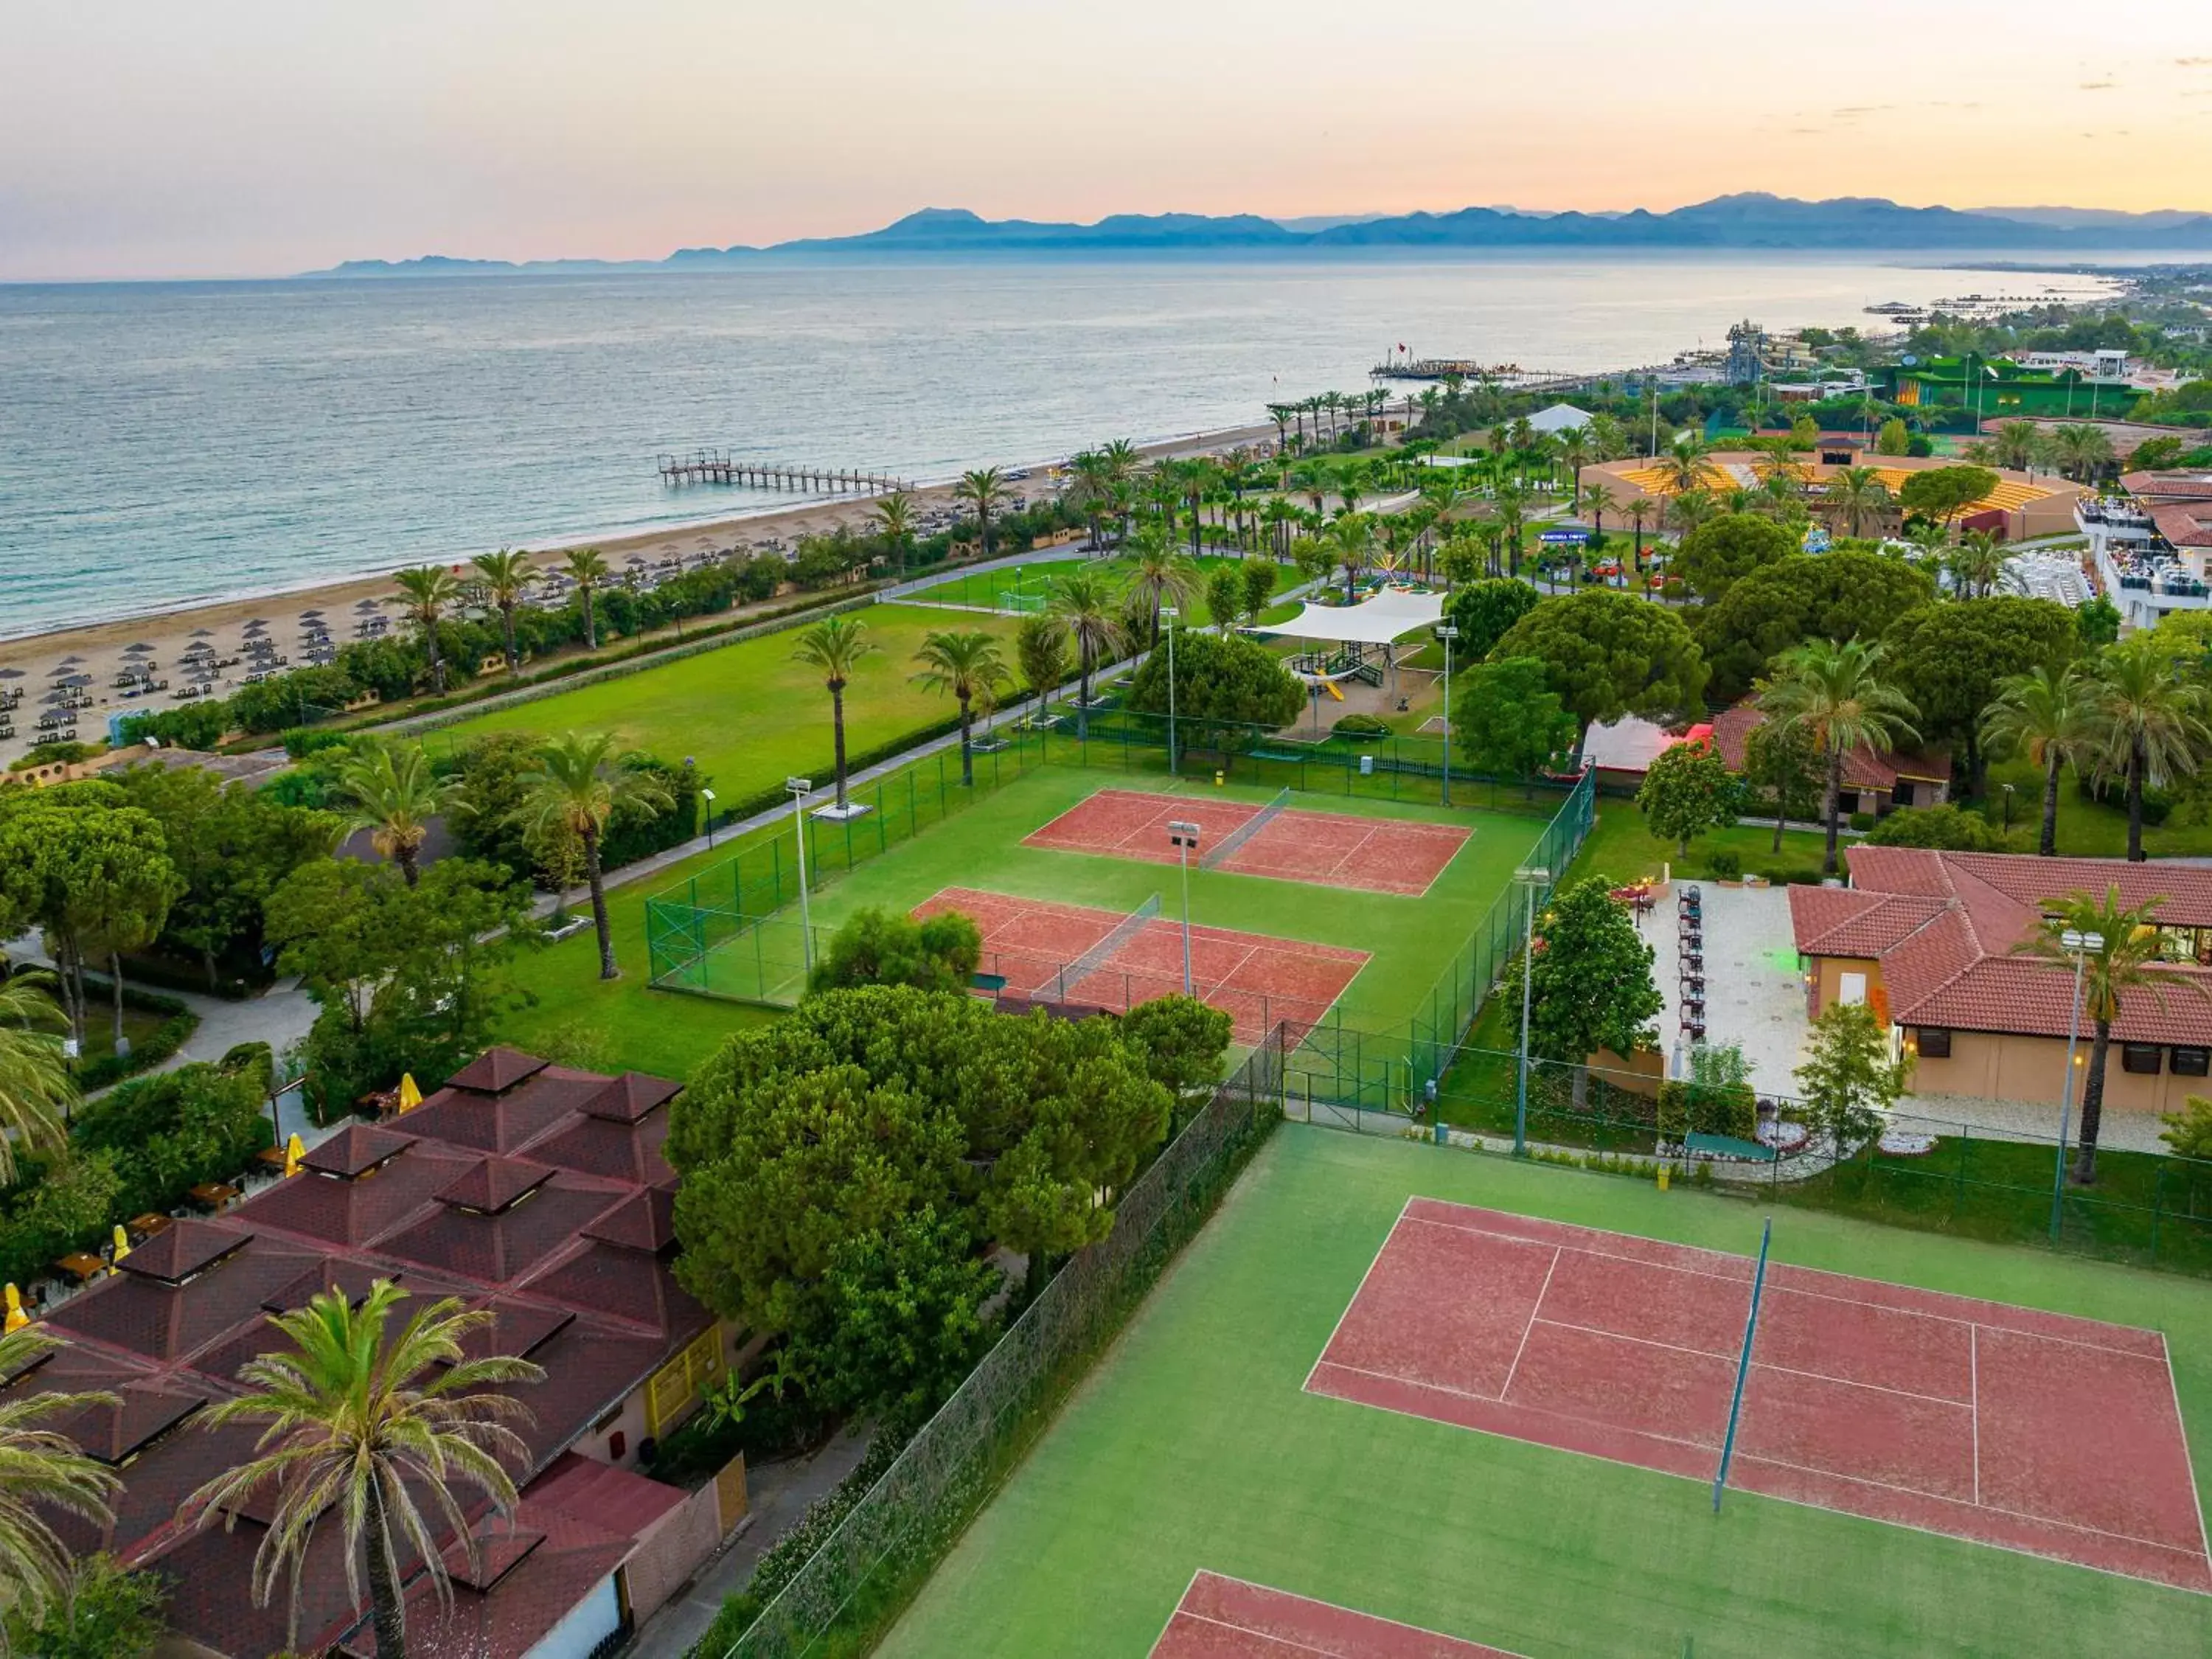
column 1750, row 220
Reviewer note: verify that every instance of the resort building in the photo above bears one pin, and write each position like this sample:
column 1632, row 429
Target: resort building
column 1929, row 941
column 1999, row 387
column 1876, row 781
column 534, row 1191
column 2020, row 507
column 2151, row 543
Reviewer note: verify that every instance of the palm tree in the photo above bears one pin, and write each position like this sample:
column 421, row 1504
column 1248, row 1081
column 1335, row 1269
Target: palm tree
column 36, row 1086
column 983, row 490
column 394, row 795
column 2151, row 722
column 2017, row 445
column 1691, row 508
column 1082, row 600
column 2124, row 961
column 43, row 1474
column 1352, row 539
column 968, row 665
column 1837, row 696
column 1976, row 564
column 426, row 591
column 895, row 523
column 834, row 646
column 507, row 575
column 1161, row 577
column 2081, row 449
column 1574, row 455
column 1684, row 463
column 587, row 568
column 2047, row 715
column 1855, row 493
column 379, row 1427
column 580, row 782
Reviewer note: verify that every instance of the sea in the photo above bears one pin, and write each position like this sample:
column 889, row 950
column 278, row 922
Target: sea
column 164, row 443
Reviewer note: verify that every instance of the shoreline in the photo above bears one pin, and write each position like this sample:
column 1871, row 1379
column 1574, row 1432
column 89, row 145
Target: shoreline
column 103, row 645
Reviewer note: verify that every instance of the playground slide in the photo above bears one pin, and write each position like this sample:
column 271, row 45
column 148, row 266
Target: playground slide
column 1333, row 691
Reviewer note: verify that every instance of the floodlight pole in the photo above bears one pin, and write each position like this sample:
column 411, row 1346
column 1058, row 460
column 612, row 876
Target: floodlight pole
column 1184, row 836
column 2079, row 945
column 1533, row 877
column 1448, row 632
column 707, row 795
column 1168, row 614
column 800, row 788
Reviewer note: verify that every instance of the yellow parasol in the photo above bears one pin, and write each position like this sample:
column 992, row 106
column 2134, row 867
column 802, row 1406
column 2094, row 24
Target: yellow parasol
column 16, row 1317
column 294, row 1150
column 409, row 1096
column 122, row 1246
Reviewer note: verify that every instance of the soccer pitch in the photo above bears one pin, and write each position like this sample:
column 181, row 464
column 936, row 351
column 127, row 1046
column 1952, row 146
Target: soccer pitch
column 1195, row 1446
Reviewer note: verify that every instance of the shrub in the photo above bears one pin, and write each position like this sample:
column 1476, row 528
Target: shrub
column 52, row 1210
column 1945, row 827
column 51, row 754
column 1861, row 821
column 148, row 1051
column 1795, row 875
column 168, row 1133
column 1722, row 865
column 111, row 1613
column 1363, row 726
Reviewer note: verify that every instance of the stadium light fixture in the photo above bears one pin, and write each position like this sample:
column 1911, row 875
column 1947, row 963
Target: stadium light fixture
column 2081, row 946
column 800, row 789
column 1536, row 879
column 1447, row 632
column 1168, row 615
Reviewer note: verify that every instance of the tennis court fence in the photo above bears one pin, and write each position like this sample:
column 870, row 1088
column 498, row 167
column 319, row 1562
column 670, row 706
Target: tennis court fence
column 866, row 1569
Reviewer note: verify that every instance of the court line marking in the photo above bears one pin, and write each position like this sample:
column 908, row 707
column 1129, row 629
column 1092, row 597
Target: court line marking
column 2188, row 1463
column 1322, row 1359
column 1974, row 1376
column 1535, row 1317
column 1267, row 1637
column 1312, row 1600
column 1760, row 1365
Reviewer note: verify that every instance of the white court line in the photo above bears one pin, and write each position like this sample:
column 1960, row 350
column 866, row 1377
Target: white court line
column 1307, row 1386
column 1334, row 1607
column 2187, row 1461
column 1974, row 1376
column 1268, row 1637
column 1551, row 1412
column 1535, row 1316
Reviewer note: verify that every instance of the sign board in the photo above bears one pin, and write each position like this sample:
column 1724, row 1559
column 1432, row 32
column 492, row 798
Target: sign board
column 1563, row 538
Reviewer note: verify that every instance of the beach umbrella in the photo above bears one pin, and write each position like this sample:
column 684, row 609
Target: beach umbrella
column 78, row 679
column 201, row 634
column 369, row 604
column 304, row 615
column 11, row 673
column 72, row 659
column 58, row 670
column 139, row 650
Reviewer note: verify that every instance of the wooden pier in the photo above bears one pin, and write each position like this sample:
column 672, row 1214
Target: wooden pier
column 719, row 467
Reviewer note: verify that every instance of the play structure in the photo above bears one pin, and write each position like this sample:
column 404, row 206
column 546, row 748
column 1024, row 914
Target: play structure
column 1361, row 638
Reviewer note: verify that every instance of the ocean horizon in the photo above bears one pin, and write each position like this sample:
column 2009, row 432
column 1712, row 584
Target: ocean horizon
column 173, row 443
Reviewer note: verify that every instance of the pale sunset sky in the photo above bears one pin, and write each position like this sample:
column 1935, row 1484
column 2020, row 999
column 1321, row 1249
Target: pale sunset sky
column 245, row 137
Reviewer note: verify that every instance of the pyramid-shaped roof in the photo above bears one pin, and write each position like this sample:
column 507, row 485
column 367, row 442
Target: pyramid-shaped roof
column 630, row 1097
column 176, row 1254
column 493, row 1184
column 645, row 1221
column 356, row 1150
column 495, row 1071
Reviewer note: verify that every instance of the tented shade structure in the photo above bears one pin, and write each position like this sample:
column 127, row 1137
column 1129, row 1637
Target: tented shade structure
column 1390, row 615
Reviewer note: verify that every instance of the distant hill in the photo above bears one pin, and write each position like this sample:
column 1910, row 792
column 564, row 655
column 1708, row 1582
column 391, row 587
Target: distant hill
column 1750, row 220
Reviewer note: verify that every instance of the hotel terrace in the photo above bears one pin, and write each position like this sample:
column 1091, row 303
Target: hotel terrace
column 534, row 1191
column 1927, row 939
column 2020, row 507
column 2152, row 543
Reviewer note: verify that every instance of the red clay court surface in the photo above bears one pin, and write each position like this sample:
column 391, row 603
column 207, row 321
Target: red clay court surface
column 1259, row 981
column 2033, row 1431
column 1223, row 1618
column 1326, row 849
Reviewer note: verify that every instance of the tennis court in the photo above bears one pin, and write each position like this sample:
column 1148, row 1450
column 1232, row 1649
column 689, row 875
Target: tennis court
column 1115, row 959
column 2041, row 1433
column 1224, row 1617
column 1329, row 849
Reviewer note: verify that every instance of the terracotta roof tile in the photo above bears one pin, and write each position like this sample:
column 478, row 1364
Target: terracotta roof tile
column 1864, row 767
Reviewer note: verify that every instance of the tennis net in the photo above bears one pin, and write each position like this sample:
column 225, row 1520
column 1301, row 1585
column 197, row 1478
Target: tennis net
column 1742, row 1364
column 1225, row 848
column 1099, row 954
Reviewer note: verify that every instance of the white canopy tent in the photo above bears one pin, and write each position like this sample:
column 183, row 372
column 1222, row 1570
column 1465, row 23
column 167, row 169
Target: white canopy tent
column 1388, row 616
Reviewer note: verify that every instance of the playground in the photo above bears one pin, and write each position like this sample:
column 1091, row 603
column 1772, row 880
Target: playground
column 1199, row 1494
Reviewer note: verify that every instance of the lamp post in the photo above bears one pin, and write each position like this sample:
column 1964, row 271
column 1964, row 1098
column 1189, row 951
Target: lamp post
column 1168, row 615
column 1183, row 836
column 707, row 795
column 1447, row 632
column 1535, row 878
column 800, row 789
column 2008, row 794
column 2080, row 947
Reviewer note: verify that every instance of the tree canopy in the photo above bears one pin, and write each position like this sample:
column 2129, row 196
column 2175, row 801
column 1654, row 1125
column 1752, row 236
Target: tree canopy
column 1721, row 552
column 1840, row 595
column 1225, row 682
column 1688, row 790
column 1591, row 985
column 1608, row 654
column 1508, row 722
column 1942, row 492
column 1949, row 658
column 877, row 946
column 1483, row 610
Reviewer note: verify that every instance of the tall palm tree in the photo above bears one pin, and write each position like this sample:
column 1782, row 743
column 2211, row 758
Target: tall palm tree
column 380, row 1427
column 44, row 1474
column 506, row 576
column 1976, row 564
column 1083, row 601
column 1838, row 696
column 970, row 667
column 895, row 524
column 1351, row 538
column 2122, row 963
column 834, row 646
column 983, row 491
column 579, row 781
column 1684, row 463
column 393, row 795
column 1853, row 494
column 1162, row 577
column 36, row 1086
column 2082, row 449
column 1575, row 453
column 426, row 592
column 2151, row 722
column 1691, row 508
column 2017, row 445
column 587, row 568
column 2048, row 715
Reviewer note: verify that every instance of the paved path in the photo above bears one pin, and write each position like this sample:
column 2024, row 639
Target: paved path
column 779, row 1494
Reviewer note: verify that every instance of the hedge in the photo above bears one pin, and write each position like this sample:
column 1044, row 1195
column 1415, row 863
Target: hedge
column 148, row 1051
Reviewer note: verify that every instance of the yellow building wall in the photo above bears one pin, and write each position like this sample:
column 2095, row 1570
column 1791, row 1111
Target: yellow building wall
column 1987, row 1066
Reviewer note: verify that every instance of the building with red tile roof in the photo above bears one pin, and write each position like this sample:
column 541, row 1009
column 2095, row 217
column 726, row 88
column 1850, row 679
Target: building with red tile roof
column 1930, row 938
column 1875, row 779
column 534, row 1191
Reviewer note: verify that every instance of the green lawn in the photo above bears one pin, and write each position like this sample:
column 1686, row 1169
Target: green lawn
column 987, row 588
column 1620, row 847
column 748, row 713
column 1192, row 1445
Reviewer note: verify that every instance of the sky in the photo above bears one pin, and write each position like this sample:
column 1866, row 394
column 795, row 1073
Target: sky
column 147, row 138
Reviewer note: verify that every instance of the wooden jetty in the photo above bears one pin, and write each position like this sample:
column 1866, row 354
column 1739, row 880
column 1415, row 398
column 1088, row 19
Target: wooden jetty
column 720, row 467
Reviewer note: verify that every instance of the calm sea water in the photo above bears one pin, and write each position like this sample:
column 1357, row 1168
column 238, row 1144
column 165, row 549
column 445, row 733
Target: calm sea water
column 166, row 442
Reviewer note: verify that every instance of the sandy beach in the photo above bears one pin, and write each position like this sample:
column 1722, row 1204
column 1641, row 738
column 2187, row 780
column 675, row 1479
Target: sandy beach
column 105, row 647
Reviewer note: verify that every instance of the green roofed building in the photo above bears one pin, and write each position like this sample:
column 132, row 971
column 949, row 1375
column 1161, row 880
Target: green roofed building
column 1998, row 388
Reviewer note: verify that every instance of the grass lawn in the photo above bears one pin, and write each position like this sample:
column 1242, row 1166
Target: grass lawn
column 1192, row 1445
column 987, row 587
column 2086, row 829
column 138, row 1024
column 1621, row 847
column 750, row 714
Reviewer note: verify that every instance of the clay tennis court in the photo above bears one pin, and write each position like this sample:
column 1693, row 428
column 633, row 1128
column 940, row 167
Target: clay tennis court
column 1259, row 981
column 2033, row 1431
column 1326, row 849
column 1222, row 1618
